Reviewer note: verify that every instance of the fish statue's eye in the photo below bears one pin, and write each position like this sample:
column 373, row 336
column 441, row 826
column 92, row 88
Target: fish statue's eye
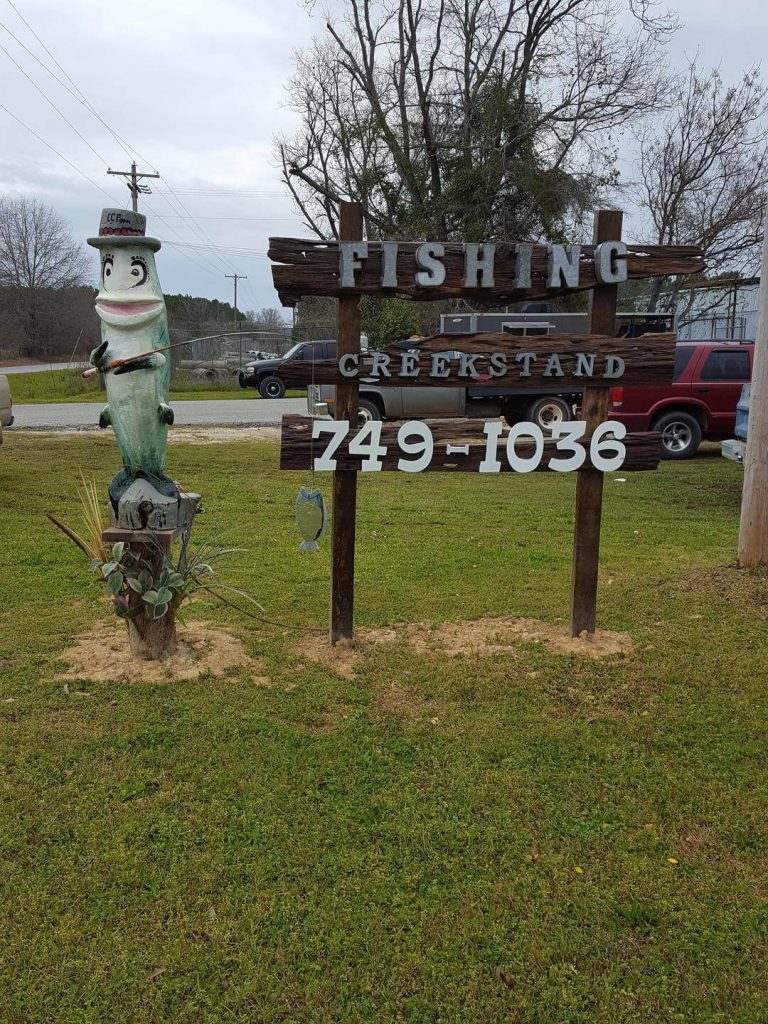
column 138, row 271
column 107, row 269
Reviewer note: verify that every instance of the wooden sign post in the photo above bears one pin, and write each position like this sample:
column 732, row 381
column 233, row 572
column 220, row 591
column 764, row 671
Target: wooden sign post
column 589, row 482
column 345, row 481
column 481, row 271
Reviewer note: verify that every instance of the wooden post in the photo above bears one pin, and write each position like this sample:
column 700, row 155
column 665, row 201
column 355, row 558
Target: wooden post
column 753, row 531
column 345, row 481
column 589, row 482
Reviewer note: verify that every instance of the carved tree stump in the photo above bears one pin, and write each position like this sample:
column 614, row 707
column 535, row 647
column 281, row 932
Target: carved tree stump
column 149, row 639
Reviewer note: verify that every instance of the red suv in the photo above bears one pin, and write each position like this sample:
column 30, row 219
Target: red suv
column 701, row 403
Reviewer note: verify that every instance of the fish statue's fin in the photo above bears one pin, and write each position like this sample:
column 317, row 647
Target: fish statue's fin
column 105, row 418
column 309, row 545
column 96, row 357
column 145, row 363
column 166, row 413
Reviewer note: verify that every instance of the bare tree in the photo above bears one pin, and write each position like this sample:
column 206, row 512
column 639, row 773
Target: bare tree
column 37, row 255
column 703, row 172
column 484, row 118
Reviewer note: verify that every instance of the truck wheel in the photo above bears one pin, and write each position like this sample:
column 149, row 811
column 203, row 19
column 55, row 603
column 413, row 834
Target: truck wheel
column 680, row 435
column 545, row 412
column 271, row 387
column 367, row 410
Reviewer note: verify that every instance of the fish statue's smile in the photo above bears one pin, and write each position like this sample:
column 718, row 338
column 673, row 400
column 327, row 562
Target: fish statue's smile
column 120, row 310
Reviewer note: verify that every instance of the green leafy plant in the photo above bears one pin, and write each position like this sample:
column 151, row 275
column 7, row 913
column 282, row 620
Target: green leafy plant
column 135, row 590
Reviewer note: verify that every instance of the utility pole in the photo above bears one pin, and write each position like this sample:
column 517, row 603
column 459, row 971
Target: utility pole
column 134, row 187
column 236, row 278
column 753, row 532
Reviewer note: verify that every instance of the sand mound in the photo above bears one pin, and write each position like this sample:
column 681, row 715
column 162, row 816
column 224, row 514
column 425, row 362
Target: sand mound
column 477, row 637
column 102, row 654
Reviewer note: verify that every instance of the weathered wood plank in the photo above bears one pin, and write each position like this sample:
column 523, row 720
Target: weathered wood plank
column 298, row 450
column 311, row 267
column 649, row 362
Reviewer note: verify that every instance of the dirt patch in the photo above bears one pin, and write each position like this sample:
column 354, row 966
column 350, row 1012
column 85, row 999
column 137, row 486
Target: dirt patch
column 342, row 659
column 222, row 435
column 743, row 588
column 102, row 654
column 477, row 637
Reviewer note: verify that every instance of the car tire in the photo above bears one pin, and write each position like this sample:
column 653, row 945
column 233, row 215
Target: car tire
column 367, row 410
column 545, row 412
column 680, row 435
column 271, row 387
column 242, row 380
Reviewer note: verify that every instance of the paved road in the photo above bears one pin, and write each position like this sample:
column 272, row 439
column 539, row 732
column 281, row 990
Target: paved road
column 229, row 412
column 38, row 367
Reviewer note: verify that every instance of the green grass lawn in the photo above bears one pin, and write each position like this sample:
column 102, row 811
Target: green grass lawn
column 48, row 386
column 495, row 846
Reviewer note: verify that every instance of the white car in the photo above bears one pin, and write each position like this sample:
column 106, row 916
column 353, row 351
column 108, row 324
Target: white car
column 6, row 405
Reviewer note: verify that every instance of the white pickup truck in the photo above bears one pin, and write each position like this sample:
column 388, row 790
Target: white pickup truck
column 6, row 405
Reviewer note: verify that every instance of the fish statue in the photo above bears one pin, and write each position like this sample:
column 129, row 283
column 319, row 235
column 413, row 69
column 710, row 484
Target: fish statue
column 131, row 307
column 311, row 518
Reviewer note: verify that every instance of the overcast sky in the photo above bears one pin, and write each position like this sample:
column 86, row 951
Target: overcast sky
column 196, row 88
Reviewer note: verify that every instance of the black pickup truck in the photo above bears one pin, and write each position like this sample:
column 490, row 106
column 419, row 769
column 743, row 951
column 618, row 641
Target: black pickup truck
column 264, row 374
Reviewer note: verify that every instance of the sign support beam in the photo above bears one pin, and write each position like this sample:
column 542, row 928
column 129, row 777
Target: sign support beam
column 589, row 482
column 345, row 481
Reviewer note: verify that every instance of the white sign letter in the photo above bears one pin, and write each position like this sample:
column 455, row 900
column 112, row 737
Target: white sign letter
column 428, row 257
column 478, row 266
column 611, row 262
column 348, row 365
column 350, row 255
column 409, row 364
column 585, row 365
column 614, row 367
column 389, row 264
column 523, row 253
column 440, row 361
column 562, row 267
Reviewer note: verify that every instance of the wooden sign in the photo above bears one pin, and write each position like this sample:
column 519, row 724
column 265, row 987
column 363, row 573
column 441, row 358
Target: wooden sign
column 503, row 361
column 425, row 271
column 464, row 446
column 483, row 272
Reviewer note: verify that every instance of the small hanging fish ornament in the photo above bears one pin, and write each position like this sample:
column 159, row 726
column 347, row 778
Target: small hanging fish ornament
column 310, row 518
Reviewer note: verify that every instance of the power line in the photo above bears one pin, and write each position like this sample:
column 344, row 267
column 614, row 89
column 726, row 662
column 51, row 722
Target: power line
column 52, row 104
column 248, row 254
column 269, row 220
column 89, row 106
column 217, row 252
column 58, row 154
column 80, row 98
column 190, row 220
column 253, row 193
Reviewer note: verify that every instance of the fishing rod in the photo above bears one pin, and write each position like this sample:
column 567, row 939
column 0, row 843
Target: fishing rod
column 93, row 370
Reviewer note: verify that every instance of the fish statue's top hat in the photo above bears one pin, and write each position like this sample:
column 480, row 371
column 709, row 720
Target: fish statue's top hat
column 123, row 227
